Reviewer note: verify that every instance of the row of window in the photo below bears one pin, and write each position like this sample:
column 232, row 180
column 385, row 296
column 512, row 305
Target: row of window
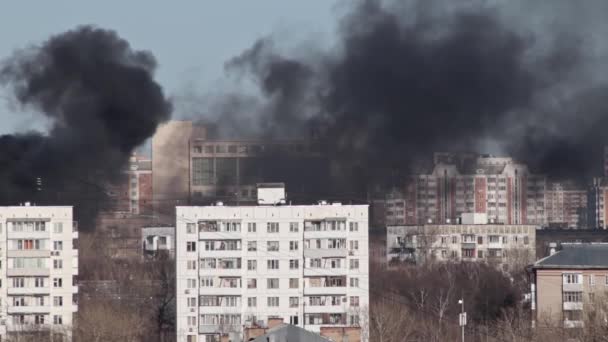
column 20, row 282
column 469, row 238
column 271, row 264
column 272, row 301
column 577, row 278
column 271, row 283
column 34, row 244
column 35, row 319
column 35, row 301
column 35, row 226
column 271, row 227
column 34, row 263
column 272, row 246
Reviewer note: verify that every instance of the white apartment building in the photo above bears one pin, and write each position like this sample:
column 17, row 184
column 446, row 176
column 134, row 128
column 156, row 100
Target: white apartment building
column 38, row 265
column 503, row 245
column 238, row 266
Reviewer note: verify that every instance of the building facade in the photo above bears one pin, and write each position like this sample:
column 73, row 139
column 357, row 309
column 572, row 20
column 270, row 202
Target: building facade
column 566, row 205
column 567, row 285
column 503, row 245
column 133, row 192
column 40, row 264
column 239, row 266
column 156, row 240
column 499, row 187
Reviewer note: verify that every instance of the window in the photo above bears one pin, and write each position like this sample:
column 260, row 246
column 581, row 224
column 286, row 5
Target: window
column 272, row 283
column 573, row 278
column 294, row 227
column 354, row 264
column 273, row 264
column 251, row 228
column 294, row 302
column 18, row 282
column 191, row 283
column 493, row 239
column 38, row 282
column 190, row 228
column 294, row 264
column 206, row 281
column 480, row 254
column 191, row 246
column 354, row 320
column 58, row 227
column 252, row 265
column 576, row 297
column 38, row 319
column 191, row 321
column 272, row 227
column 315, row 263
column 354, row 245
column 468, row 253
column 202, row 171
column 591, row 280
column 191, row 302
column 273, row 246
column 252, row 283
column 294, row 283
column 57, row 245
column 454, row 239
column 354, row 282
column 354, row 301
column 353, row 226
column 57, row 319
column 252, row 302
column 293, row 320
column 273, row 301
column 58, row 301
column 57, row 264
column 252, row 246
column 293, row 245
column 191, row 264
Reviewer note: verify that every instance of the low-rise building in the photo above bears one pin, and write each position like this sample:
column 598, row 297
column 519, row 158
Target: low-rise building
column 39, row 265
column 567, row 284
column 500, row 244
column 157, row 240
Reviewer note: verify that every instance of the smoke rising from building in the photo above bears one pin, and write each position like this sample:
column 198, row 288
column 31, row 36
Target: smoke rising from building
column 102, row 102
column 406, row 79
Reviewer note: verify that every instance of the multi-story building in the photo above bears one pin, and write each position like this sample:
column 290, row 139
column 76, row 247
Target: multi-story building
column 245, row 265
column 40, row 263
column 499, row 187
column 189, row 167
column 500, row 244
column 133, row 192
column 568, row 285
column 596, row 210
column 566, row 205
column 156, row 240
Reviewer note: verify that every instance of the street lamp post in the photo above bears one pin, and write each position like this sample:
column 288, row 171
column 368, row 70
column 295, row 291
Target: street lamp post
column 462, row 317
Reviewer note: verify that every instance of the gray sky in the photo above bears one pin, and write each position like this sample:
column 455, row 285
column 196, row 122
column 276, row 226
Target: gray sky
column 190, row 39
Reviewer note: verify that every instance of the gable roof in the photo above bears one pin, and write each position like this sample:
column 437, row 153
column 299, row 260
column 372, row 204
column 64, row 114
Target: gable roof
column 577, row 255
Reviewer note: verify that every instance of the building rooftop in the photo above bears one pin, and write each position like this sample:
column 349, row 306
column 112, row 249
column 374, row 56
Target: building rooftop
column 577, row 255
column 290, row 333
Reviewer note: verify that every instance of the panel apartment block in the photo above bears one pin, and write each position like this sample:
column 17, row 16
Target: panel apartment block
column 38, row 265
column 238, row 266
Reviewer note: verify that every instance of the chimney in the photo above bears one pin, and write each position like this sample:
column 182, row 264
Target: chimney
column 552, row 248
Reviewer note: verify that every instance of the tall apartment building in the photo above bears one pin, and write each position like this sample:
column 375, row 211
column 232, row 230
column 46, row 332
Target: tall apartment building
column 240, row 266
column 499, row 187
column 39, row 266
column 596, row 210
column 567, row 284
column 498, row 244
column 189, row 167
column 133, row 193
column 566, row 205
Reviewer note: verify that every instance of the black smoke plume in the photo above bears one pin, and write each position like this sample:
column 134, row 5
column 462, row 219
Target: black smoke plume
column 407, row 78
column 102, row 102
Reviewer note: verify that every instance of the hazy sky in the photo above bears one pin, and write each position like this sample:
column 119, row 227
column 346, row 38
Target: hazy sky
column 190, row 39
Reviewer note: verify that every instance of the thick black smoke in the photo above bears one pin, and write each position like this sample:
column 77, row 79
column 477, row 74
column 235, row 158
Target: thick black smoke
column 408, row 78
column 102, row 101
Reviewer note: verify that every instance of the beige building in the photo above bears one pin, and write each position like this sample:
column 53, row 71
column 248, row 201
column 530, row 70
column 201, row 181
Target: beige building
column 566, row 285
column 566, row 205
column 503, row 245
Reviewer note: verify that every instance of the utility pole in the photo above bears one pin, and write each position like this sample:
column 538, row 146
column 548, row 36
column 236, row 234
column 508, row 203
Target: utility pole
column 462, row 317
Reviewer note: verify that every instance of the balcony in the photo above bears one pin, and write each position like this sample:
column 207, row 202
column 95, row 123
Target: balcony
column 325, row 290
column 28, row 309
column 570, row 306
column 28, row 272
column 28, row 290
column 227, row 291
column 573, row 324
column 326, row 308
column 28, row 253
column 315, row 272
column 325, row 253
column 572, row 287
column 495, row 245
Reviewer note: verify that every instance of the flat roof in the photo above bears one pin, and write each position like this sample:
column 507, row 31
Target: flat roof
column 576, row 255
